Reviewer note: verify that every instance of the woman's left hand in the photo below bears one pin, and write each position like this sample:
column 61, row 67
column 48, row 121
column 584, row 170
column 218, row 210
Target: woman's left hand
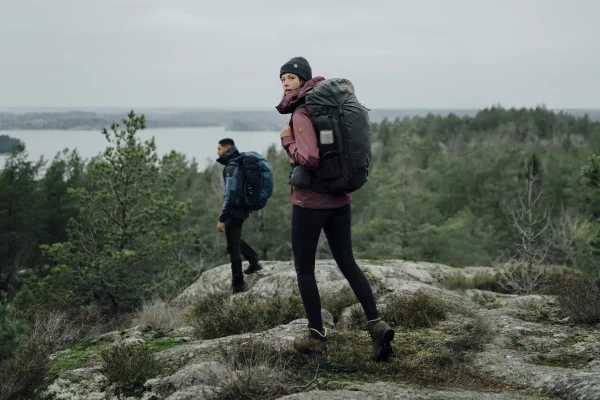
column 287, row 131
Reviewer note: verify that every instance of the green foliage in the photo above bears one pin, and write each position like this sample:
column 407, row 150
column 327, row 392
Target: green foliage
column 591, row 177
column 125, row 244
column 129, row 367
column 219, row 315
column 439, row 190
column 19, row 217
column 11, row 331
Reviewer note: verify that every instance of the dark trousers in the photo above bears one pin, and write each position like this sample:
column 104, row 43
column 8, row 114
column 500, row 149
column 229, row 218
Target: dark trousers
column 306, row 229
column 237, row 247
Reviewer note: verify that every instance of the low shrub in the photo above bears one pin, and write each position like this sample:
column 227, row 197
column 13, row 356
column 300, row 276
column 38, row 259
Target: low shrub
column 580, row 301
column 220, row 315
column 255, row 369
column 128, row 367
column 472, row 334
column 415, row 310
column 481, row 280
column 337, row 302
column 159, row 314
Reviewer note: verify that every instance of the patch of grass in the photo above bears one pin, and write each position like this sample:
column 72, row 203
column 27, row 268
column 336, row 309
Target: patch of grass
column 159, row 314
column 156, row 346
column 337, row 302
column 255, row 369
column 128, row 367
column 580, row 301
column 354, row 320
column 415, row 310
column 486, row 300
column 571, row 361
column 222, row 315
column 423, row 357
column 259, row 368
column 539, row 313
column 490, row 282
column 472, row 334
column 80, row 355
column 88, row 353
column 558, row 278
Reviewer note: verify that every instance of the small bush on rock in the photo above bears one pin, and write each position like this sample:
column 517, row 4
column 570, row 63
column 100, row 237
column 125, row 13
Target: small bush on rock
column 471, row 334
column 220, row 315
column 415, row 310
column 337, row 302
column 159, row 314
column 481, row 281
column 128, row 367
column 580, row 301
column 353, row 319
column 255, row 370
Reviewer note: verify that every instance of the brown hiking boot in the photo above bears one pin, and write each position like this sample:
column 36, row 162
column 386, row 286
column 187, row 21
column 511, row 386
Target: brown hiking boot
column 382, row 335
column 312, row 343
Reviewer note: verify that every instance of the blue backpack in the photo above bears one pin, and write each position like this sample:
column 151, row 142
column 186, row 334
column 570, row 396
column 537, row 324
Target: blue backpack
column 257, row 177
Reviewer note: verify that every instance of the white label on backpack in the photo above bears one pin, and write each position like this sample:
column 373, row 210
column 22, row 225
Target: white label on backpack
column 326, row 137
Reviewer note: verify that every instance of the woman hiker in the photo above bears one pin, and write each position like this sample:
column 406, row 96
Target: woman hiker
column 313, row 212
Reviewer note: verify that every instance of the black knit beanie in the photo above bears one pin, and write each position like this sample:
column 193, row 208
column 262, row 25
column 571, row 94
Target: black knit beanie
column 297, row 66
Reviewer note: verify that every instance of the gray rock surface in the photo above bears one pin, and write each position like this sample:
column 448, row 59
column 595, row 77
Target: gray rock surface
column 387, row 391
column 532, row 346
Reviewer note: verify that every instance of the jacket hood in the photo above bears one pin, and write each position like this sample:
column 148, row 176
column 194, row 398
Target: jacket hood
column 229, row 155
column 296, row 97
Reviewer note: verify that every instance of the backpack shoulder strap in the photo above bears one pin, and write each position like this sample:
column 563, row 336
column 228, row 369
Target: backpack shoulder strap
column 292, row 116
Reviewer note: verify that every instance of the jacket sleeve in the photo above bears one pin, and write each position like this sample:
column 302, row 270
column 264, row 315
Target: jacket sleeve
column 302, row 147
column 230, row 193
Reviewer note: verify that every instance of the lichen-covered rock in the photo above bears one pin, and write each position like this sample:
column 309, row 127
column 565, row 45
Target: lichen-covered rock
column 279, row 278
column 202, row 374
column 530, row 346
column 386, row 391
column 81, row 384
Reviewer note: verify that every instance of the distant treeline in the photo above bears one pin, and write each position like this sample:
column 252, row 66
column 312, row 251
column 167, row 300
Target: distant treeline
column 230, row 119
column 7, row 143
column 84, row 120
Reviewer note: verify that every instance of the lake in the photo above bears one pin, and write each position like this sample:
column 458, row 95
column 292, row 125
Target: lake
column 198, row 143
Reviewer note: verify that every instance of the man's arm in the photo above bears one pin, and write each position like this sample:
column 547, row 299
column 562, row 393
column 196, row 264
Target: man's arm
column 229, row 192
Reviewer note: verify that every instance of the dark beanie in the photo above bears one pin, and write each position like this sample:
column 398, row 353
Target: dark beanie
column 297, row 66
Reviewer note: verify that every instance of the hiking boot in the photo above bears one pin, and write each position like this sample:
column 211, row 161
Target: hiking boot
column 252, row 269
column 313, row 343
column 381, row 335
column 238, row 287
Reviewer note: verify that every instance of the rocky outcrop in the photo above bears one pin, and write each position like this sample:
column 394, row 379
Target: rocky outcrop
column 533, row 348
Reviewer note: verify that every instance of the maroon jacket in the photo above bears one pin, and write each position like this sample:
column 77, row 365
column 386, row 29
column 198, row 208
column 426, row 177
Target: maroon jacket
column 303, row 149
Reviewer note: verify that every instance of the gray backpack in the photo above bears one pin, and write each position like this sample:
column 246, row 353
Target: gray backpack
column 344, row 136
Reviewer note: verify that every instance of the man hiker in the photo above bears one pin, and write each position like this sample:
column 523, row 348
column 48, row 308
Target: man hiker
column 233, row 215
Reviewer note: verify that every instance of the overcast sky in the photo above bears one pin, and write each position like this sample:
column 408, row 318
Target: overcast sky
column 224, row 53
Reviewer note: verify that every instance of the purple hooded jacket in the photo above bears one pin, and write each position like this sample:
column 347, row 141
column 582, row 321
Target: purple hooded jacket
column 303, row 149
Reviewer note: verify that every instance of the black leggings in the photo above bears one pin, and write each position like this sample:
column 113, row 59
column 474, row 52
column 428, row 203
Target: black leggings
column 237, row 247
column 306, row 229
